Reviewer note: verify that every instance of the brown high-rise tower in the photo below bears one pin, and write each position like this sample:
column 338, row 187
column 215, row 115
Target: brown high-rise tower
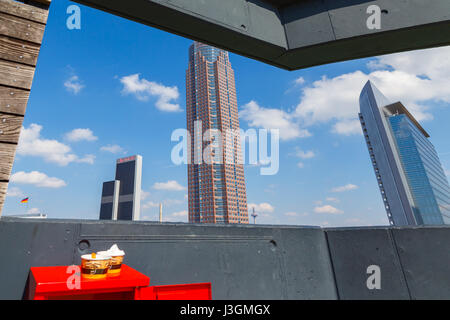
column 216, row 190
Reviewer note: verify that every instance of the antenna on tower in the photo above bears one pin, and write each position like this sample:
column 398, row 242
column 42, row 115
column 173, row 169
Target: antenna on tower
column 254, row 215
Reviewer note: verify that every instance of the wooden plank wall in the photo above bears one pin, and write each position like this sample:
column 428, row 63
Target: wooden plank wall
column 22, row 26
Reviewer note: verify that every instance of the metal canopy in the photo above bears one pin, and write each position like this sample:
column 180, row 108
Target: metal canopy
column 295, row 34
column 280, row 3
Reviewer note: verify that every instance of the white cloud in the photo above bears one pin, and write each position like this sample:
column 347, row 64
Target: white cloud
column 80, row 135
column 143, row 89
column 447, row 172
column 347, row 187
column 166, row 202
column 114, row 148
column 260, row 117
column 328, row 209
column 33, row 210
column 329, row 99
column 14, row 192
column 295, row 214
column 332, row 199
column 299, row 81
column 263, row 207
column 150, row 204
column 304, row 154
column 171, row 202
column 347, row 127
column 170, row 185
column 183, row 213
column 144, row 195
column 37, row 178
column 89, row 158
column 73, row 84
column 415, row 78
column 180, row 216
column 32, row 144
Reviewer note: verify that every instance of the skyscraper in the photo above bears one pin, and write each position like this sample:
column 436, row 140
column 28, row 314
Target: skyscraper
column 121, row 197
column 216, row 190
column 412, row 182
column 110, row 200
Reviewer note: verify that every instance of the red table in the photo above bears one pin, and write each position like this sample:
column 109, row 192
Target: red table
column 48, row 283
column 56, row 283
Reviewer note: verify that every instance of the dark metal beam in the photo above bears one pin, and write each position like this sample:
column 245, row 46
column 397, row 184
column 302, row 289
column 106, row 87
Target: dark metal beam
column 294, row 34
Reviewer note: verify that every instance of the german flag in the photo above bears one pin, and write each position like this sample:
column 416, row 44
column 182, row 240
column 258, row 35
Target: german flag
column 24, row 200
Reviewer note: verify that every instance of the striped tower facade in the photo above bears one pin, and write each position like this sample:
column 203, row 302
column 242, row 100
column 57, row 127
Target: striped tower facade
column 216, row 189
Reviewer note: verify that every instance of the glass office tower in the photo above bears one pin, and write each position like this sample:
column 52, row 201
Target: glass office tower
column 110, row 200
column 412, row 182
column 216, row 190
column 121, row 197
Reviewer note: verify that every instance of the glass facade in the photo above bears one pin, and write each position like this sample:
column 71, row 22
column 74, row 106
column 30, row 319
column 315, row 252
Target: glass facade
column 425, row 175
column 412, row 182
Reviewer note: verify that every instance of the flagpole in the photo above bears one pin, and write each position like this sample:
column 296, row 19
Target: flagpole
column 27, row 200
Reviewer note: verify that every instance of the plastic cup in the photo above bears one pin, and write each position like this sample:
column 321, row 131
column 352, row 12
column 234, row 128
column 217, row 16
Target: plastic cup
column 94, row 266
column 115, row 264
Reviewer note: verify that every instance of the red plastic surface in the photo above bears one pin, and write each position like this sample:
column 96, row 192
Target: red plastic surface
column 195, row 291
column 48, row 283
column 51, row 283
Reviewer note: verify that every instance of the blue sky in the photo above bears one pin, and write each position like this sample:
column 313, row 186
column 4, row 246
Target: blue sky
column 83, row 114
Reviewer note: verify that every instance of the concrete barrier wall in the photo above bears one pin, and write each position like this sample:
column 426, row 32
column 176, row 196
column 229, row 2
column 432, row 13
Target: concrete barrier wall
column 241, row 262
column 353, row 251
column 425, row 257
